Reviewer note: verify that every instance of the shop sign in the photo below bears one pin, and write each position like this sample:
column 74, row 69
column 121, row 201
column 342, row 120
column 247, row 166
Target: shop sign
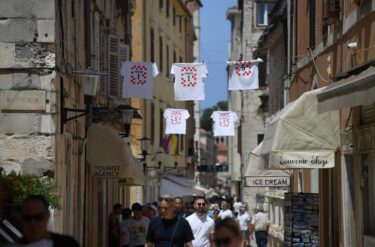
column 106, row 171
column 302, row 159
column 265, row 181
column 26, row 100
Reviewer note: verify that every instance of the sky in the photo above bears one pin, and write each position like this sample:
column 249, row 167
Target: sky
column 215, row 36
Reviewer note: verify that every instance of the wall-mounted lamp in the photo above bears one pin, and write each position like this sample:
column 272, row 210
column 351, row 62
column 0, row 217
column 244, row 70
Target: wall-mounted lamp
column 91, row 78
column 128, row 113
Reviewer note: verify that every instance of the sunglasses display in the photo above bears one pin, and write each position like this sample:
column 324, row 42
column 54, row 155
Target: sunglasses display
column 31, row 217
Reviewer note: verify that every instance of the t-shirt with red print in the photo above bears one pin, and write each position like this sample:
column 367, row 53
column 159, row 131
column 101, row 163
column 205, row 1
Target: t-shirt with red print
column 188, row 84
column 138, row 79
column 176, row 121
column 224, row 123
column 243, row 76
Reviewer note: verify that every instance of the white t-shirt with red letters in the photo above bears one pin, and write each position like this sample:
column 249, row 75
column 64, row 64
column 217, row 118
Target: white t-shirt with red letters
column 176, row 121
column 224, row 123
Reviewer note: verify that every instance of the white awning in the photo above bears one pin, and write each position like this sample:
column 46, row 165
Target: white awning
column 256, row 174
column 110, row 157
column 180, row 186
column 299, row 137
column 352, row 91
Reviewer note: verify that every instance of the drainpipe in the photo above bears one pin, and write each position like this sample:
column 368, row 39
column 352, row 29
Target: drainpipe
column 289, row 69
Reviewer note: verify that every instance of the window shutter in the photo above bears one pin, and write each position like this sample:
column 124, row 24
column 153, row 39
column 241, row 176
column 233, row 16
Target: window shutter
column 103, row 58
column 123, row 55
column 113, row 66
column 367, row 113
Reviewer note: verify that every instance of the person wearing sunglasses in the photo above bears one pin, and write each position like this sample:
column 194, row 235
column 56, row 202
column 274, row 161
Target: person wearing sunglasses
column 35, row 216
column 216, row 216
column 202, row 226
column 168, row 230
column 227, row 233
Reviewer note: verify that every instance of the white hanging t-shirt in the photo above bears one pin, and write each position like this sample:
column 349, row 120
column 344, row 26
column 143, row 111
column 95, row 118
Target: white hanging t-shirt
column 243, row 76
column 138, row 79
column 188, row 84
column 176, row 121
column 224, row 123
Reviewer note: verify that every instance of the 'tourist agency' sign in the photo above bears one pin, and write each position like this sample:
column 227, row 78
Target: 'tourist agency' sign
column 267, row 181
column 106, row 171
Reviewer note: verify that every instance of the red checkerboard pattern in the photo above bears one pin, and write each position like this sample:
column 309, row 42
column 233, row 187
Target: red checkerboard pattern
column 243, row 68
column 189, row 73
column 138, row 74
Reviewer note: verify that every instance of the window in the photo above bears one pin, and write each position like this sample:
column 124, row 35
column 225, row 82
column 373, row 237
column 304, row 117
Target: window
column 167, row 57
column 180, row 24
column 161, row 53
column 180, row 59
column 368, row 175
column 174, row 16
column 181, row 139
column 312, row 21
column 152, row 45
column 152, row 125
column 174, row 56
column 161, row 3
column 263, row 9
column 167, row 8
column 161, row 123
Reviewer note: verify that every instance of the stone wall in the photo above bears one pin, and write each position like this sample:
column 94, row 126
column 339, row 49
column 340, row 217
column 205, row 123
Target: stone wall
column 27, row 34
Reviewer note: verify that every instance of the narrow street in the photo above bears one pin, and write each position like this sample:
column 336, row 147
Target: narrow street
column 187, row 123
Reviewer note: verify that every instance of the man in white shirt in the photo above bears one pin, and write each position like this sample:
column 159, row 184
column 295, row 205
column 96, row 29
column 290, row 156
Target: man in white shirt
column 244, row 221
column 236, row 205
column 259, row 225
column 225, row 211
column 202, row 226
column 136, row 227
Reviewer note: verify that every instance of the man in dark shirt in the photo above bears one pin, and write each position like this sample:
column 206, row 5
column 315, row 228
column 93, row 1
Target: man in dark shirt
column 179, row 207
column 35, row 215
column 169, row 230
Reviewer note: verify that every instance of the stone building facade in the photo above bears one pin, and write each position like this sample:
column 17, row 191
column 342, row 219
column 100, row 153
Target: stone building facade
column 163, row 32
column 248, row 22
column 322, row 55
column 44, row 110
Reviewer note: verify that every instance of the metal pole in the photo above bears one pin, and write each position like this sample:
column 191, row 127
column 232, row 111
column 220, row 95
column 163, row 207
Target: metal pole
column 289, row 32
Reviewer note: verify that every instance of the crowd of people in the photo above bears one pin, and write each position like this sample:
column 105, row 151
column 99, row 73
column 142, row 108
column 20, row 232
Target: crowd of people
column 167, row 223
column 173, row 222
